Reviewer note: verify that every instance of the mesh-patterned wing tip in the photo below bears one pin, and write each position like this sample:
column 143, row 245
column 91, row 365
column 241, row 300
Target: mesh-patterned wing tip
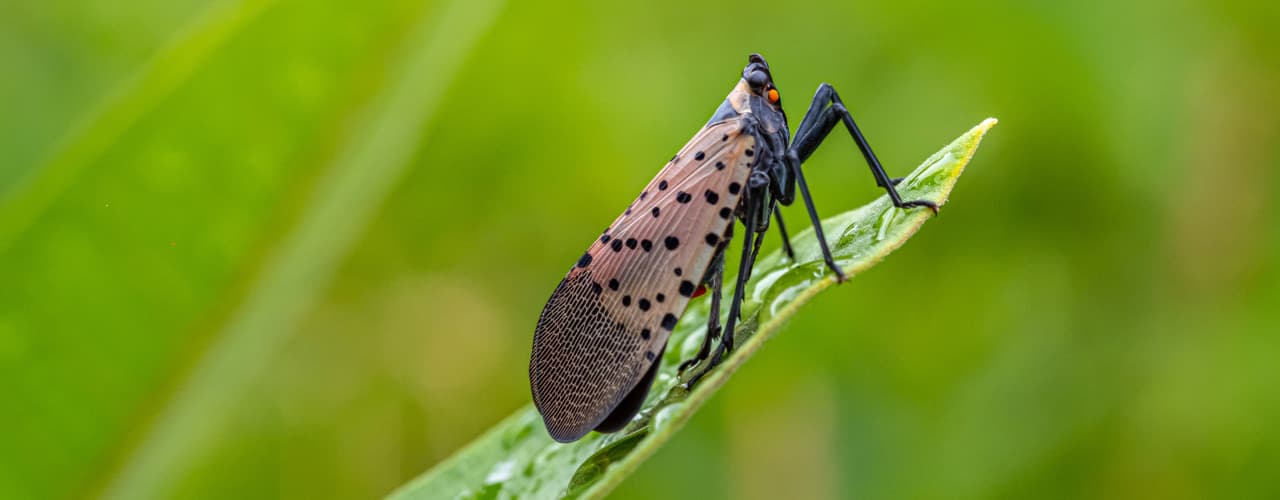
column 583, row 362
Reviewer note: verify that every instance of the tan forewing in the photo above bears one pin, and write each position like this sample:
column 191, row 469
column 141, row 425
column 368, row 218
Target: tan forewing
column 607, row 321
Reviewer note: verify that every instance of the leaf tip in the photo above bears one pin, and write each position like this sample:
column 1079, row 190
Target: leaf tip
column 978, row 131
column 969, row 142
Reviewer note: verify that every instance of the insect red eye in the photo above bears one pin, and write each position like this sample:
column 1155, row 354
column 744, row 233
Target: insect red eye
column 773, row 96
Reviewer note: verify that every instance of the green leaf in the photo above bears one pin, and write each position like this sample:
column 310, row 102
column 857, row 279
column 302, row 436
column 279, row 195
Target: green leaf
column 518, row 459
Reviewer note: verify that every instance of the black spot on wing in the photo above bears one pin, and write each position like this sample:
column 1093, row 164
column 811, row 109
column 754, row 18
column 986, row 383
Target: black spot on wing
column 687, row 288
column 595, row 365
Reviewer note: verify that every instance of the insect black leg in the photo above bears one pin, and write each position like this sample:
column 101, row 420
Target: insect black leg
column 819, row 121
column 755, row 251
column 782, row 230
column 715, row 279
column 813, row 216
column 740, row 285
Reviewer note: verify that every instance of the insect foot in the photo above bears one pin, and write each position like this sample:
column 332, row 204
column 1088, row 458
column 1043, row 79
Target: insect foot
column 920, row 203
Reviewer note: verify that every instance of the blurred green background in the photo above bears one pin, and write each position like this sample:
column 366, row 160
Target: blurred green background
column 282, row 248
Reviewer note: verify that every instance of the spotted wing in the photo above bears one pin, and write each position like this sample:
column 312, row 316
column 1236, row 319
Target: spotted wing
column 608, row 321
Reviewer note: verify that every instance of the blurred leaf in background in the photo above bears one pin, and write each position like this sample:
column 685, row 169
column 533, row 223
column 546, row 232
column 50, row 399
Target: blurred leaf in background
column 274, row 248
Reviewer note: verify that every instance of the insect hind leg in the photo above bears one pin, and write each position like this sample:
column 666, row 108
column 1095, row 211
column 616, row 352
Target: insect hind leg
column 715, row 280
column 755, row 204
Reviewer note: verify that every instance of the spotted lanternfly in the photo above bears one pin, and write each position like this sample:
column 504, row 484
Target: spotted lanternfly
column 597, row 344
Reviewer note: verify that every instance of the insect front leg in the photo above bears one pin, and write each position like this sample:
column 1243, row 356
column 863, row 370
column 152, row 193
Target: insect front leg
column 827, row 257
column 824, row 112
